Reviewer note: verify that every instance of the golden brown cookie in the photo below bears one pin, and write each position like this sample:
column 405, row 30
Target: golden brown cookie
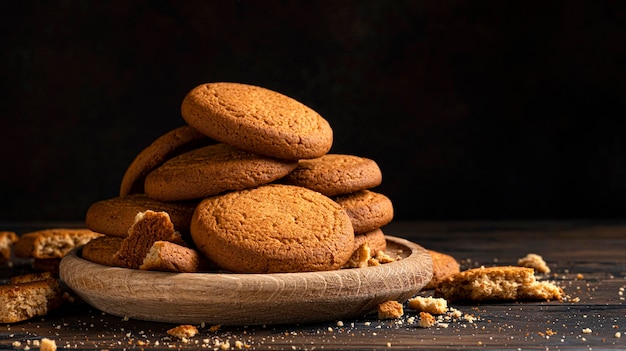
column 497, row 283
column 169, row 257
column 102, row 250
column 443, row 266
column 258, row 120
column 115, row 216
column 390, row 310
column 170, row 144
column 149, row 226
column 375, row 239
column 52, row 243
column 7, row 239
column 28, row 296
column 273, row 228
column 211, row 170
column 336, row 174
column 367, row 210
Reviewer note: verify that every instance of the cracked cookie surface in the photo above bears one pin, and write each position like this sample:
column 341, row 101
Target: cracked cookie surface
column 273, row 228
column 258, row 120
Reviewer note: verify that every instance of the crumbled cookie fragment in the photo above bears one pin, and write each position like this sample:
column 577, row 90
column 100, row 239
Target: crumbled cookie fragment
column 52, row 243
column 497, row 283
column 149, row 227
column 427, row 320
column 390, row 310
column 381, row 258
column 29, row 296
column 535, row 262
column 183, row 332
column 47, row 345
column 432, row 305
column 170, row 257
column 360, row 257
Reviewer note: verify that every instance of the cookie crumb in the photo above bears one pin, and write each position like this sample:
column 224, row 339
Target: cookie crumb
column 587, row 331
column 382, row 258
column 360, row 258
column 183, row 332
column 47, row 345
column 390, row 310
column 535, row 262
column 618, row 335
column 429, row 304
column 427, row 320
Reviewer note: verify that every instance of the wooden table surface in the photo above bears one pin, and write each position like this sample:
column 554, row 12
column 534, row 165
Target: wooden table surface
column 588, row 260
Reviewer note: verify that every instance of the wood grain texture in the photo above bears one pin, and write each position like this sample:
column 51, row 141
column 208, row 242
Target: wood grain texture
column 249, row 299
column 587, row 259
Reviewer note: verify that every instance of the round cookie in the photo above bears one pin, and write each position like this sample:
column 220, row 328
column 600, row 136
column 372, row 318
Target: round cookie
column 102, row 250
column 367, row 210
column 258, row 120
column 211, row 170
column 170, row 144
column 115, row 216
column 273, row 228
column 375, row 239
column 336, row 174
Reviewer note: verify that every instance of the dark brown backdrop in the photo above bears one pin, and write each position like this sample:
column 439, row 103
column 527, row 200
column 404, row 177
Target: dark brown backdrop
column 473, row 110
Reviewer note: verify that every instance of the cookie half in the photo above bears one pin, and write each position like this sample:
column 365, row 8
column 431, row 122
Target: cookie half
column 258, row 120
column 273, row 228
column 367, row 210
column 52, row 243
column 499, row 283
column 211, row 170
column 170, row 144
column 149, row 227
column 336, row 174
column 115, row 216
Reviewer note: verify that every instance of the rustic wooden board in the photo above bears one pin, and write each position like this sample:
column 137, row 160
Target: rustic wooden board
column 588, row 259
column 249, row 299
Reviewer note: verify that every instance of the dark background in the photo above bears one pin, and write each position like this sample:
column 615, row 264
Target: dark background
column 473, row 110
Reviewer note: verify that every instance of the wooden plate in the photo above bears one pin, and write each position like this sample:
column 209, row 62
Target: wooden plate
column 249, row 299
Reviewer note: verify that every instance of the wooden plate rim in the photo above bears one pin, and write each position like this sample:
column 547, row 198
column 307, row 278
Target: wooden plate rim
column 229, row 298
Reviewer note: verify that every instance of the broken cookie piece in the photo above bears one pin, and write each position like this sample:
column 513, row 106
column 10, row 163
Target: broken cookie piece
column 183, row 332
column 535, row 262
column 149, row 227
column 52, row 243
column 428, row 304
column 426, row 320
column 390, row 310
column 497, row 283
column 29, row 296
column 169, row 257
